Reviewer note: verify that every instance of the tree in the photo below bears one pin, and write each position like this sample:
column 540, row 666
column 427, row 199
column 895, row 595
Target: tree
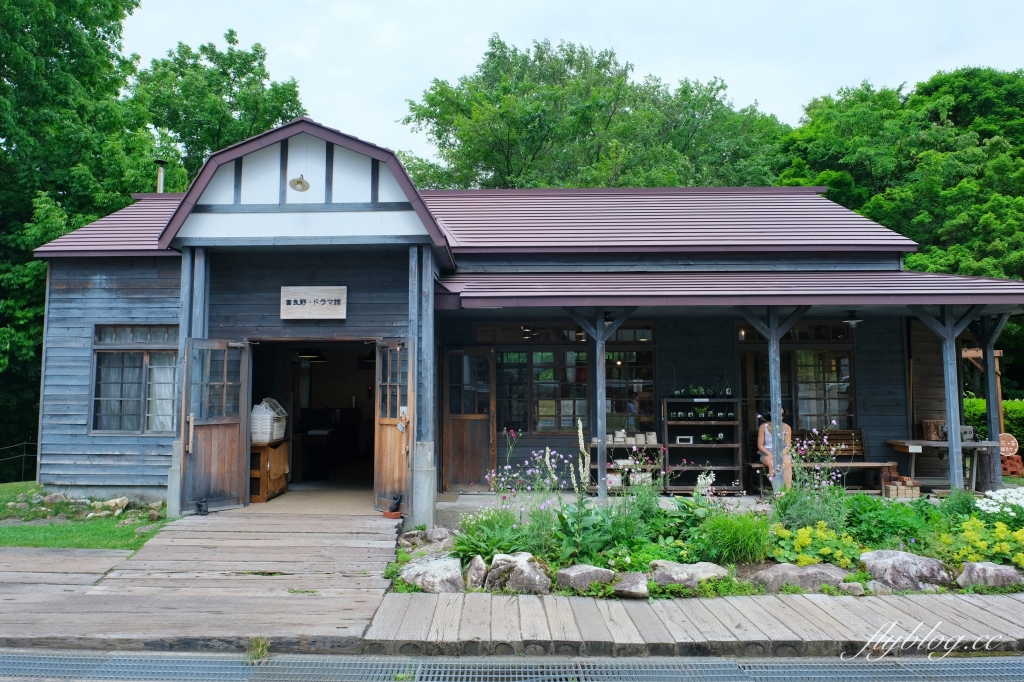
column 570, row 116
column 77, row 138
column 208, row 100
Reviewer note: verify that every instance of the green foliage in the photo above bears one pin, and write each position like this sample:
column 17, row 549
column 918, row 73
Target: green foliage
column 802, row 506
column 727, row 587
column 1013, row 416
column 420, row 527
column 95, row 533
column 975, row 540
column 583, row 530
column 879, row 523
column 657, row 591
column 814, row 545
column 393, row 571
column 959, row 503
column 207, row 99
column 402, row 557
column 787, row 588
column 492, row 530
column 538, row 534
column 569, row 116
column 730, row 539
column 399, row 585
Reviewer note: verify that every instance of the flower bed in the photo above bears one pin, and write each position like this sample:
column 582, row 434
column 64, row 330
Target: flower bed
column 545, row 534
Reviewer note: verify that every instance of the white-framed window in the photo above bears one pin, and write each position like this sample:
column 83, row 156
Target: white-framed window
column 134, row 369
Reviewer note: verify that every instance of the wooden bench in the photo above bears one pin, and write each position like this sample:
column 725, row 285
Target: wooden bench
column 850, row 445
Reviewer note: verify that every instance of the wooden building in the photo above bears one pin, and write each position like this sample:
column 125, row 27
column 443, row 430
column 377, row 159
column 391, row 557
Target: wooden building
column 404, row 331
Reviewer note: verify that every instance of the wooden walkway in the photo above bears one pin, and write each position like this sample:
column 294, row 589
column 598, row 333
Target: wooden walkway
column 309, row 583
column 774, row 625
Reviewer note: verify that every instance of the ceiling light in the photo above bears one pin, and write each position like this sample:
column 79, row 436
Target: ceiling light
column 852, row 319
column 318, row 358
column 308, row 353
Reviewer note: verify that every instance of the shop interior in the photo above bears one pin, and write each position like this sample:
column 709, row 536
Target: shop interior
column 327, row 390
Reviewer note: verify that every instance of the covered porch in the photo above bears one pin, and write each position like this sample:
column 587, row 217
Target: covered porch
column 875, row 352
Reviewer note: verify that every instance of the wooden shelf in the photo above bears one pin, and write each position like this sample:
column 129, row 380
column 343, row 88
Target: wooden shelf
column 700, row 399
column 679, row 467
column 704, row 445
column 703, row 423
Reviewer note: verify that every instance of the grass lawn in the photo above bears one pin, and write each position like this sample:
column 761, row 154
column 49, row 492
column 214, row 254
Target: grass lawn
column 61, row 525
column 1013, row 481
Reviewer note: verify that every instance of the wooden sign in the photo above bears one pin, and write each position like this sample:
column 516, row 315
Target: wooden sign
column 1007, row 445
column 314, row 303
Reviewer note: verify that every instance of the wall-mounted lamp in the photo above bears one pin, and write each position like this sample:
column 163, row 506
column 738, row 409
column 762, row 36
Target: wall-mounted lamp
column 299, row 184
column 852, row 319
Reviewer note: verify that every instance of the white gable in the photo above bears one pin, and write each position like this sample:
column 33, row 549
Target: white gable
column 388, row 189
column 221, row 189
column 261, row 176
column 307, row 157
column 351, row 176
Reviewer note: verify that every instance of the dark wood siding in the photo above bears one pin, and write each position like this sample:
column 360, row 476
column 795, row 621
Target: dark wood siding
column 245, row 293
column 880, row 374
column 85, row 292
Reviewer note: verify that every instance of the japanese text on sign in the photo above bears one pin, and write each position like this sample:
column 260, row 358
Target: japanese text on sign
column 314, row 303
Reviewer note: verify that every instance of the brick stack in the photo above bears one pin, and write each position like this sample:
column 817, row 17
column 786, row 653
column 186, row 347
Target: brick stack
column 894, row 485
column 1012, row 466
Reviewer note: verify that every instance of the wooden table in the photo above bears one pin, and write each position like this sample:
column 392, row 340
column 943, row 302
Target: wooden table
column 916, row 447
column 268, row 470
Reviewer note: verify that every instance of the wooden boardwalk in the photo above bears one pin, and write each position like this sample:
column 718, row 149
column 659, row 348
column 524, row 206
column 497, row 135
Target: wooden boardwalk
column 309, row 583
column 772, row 625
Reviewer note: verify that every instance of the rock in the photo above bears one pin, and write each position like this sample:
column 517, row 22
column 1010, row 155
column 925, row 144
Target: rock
column 119, row 503
column 631, row 585
column 582, row 576
column 436, row 575
column 156, row 505
column 519, row 572
column 118, row 512
column 672, row 573
column 54, row 498
column 879, row 589
column 856, row 589
column 129, row 522
column 437, row 534
column 154, row 515
column 476, row 573
column 96, row 505
column 99, row 515
column 144, row 529
column 807, row 578
column 989, row 574
column 17, row 505
column 36, row 499
column 21, row 497
column 905, row 571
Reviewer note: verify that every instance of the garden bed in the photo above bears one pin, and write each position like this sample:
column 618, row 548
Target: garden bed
column 533, row 539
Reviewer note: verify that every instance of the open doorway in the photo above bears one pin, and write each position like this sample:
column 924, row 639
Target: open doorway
column 327, row 389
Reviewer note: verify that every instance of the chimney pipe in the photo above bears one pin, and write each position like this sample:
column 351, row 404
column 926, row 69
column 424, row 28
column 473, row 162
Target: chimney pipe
column 160, row 163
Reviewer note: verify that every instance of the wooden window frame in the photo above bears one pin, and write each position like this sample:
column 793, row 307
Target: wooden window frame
column 131, row 347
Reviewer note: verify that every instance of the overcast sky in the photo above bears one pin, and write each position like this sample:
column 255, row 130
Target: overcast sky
column 357, row 62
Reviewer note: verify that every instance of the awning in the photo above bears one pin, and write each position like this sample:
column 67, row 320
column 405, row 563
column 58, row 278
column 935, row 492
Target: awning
column 855, row 288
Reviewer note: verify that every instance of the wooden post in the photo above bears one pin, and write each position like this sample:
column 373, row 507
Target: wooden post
column 989, row 464
column 948, row 328
column 600, row 331
column 200, row 293
column 773, row 332
column 427, row 346
column 412, row 349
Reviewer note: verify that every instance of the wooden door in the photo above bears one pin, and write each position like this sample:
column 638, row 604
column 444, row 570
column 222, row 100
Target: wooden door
column 392, row 456
column 469, row 439
column 215, row 425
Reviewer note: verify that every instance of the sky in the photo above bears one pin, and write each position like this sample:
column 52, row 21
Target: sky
column 358, row 62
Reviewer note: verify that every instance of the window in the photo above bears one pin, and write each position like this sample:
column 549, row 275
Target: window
column 393, row 380
column 800, row 333
column 630, row 390
column 513, row 385
column 823, row 389
column 527, row 332
column 559, row 390
column 134, row 388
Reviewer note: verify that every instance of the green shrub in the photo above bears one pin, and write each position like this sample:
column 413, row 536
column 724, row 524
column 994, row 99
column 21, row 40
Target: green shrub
column 1013, row 416
column 814, row 545
column 959, row 503
column 728, row 587
column 788, row 588
column 879, row 523
column 974, row 540
column 667, row 591
column 801, row 507
column 492, row 530
column 742, row 538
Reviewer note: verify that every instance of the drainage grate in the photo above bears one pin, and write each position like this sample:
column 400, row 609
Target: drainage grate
column 296, row 668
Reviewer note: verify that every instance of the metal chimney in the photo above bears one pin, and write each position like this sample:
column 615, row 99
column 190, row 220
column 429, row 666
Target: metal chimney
column 160, row 163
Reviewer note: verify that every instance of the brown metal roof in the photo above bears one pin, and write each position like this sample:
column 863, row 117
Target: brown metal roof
column 725, row 288
column 655, row 219
column 134, row 230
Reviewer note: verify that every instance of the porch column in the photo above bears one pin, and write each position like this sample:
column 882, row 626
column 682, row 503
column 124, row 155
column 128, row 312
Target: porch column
column 184, row 331
column 200, row 293
column 412, row 351
column 948, row 328
column 990, row 471
column 424, row 474
column 600, row 331
column 773, row 332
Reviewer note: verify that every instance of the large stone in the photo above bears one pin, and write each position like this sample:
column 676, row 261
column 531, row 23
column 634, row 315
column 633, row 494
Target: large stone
column 807, row 578
column 582, row 576
column 856, row 589
column 54, row 498
column 631, row 585
column 989, row 574
column 17, row 505
column 905, row 571
column 36, row 499
column 99, row 515
column 115, row 504
column 142, row 530
column 879, row 589
column 436, row 575
column 154, row 515
column 672, row 573
column 519, row 572
column 476, row 573
column 437, row 534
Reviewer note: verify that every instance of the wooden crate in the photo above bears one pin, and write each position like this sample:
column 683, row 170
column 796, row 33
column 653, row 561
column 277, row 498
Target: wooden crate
column 1012, row 466
column 268, row 470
